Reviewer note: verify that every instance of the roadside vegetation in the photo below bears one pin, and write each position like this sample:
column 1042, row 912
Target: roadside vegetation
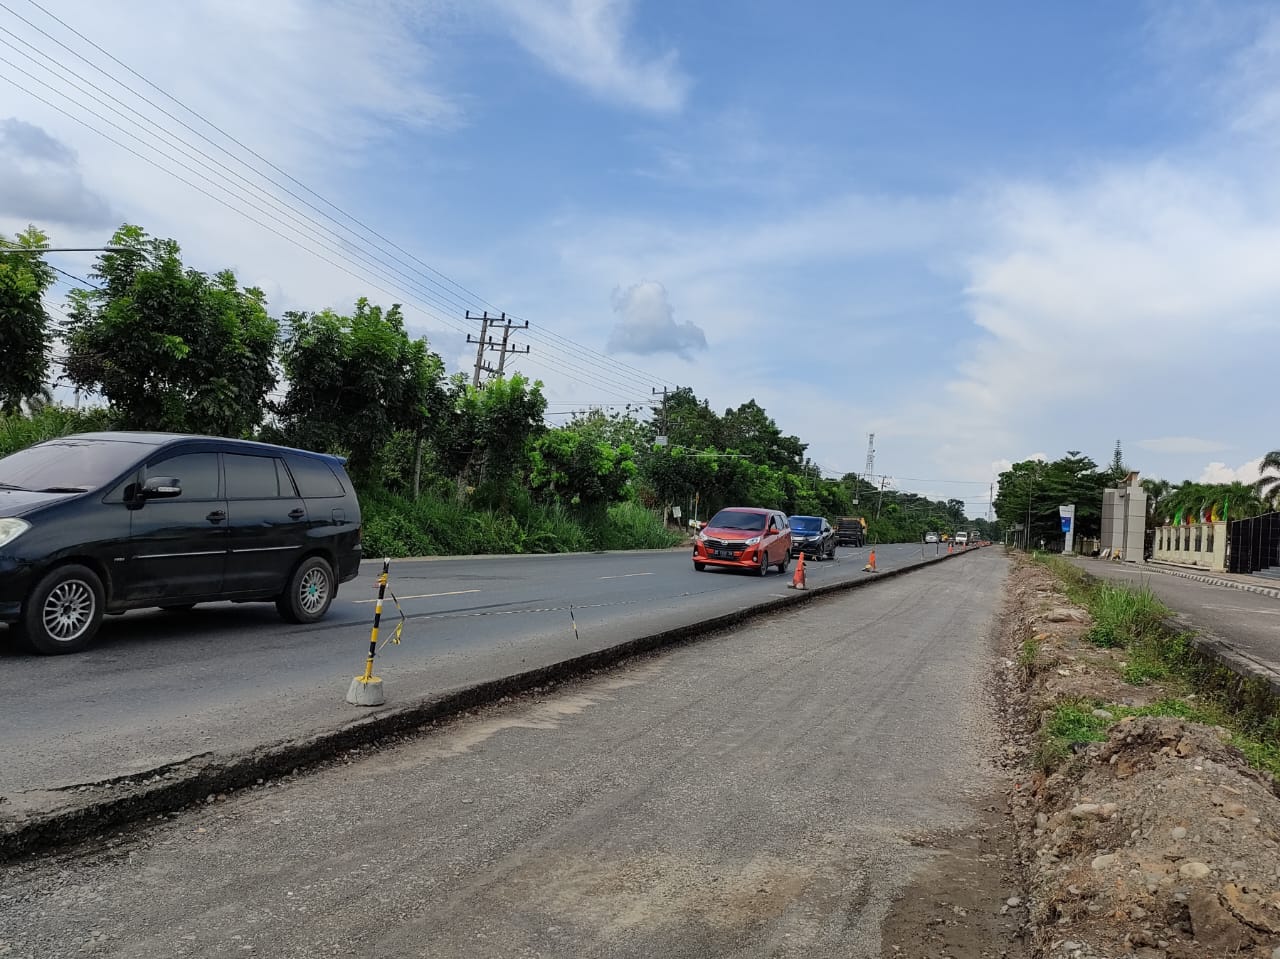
column 442, row 466
column 1199, row 688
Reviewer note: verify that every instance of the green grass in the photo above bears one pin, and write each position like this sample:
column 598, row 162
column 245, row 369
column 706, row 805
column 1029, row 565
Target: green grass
column 1028, row 654
column 434, row 525
column 1132, row 619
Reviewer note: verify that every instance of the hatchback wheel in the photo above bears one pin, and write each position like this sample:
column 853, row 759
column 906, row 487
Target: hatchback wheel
column 699, row 566
column 63, row 612
column 764, row 563
column 786, row 559
column 309, row 592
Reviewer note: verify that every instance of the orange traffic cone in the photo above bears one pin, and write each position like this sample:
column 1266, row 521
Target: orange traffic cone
column 949, row 549
column 797, row 580
column 871, row 563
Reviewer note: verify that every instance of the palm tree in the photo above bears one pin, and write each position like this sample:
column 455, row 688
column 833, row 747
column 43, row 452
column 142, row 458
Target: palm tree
column 1268, row 488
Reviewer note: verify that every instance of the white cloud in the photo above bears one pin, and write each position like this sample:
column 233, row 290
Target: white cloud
column 1182, row 444
column 586, row 42
column 43, row 182
column 647, row 324
column 1249, row 473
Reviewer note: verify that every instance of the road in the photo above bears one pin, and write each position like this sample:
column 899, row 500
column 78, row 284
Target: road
column 1249, row 621
column 158, row 688
column 767, row 792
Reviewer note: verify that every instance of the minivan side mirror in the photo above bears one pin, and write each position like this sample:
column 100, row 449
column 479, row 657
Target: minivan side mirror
column 161, row 487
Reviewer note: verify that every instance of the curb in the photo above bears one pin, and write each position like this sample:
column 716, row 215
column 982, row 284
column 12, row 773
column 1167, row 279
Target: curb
column 165, row 790
column 1213, row 581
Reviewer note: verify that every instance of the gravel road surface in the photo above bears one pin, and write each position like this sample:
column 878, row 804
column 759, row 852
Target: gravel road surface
column 767, row 792
column 158, row 688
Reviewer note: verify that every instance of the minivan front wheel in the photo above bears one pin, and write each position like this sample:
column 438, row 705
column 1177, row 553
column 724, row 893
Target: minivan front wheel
column 309, row 592
column 63, row 612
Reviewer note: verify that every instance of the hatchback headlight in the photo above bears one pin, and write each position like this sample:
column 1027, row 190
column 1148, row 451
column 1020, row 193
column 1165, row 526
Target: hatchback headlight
column 11, row 528
column 754, row 541
column 700, row 537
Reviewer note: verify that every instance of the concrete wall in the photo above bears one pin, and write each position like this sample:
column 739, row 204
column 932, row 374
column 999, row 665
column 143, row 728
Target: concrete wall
column 1199, row 544
column 1122, row 536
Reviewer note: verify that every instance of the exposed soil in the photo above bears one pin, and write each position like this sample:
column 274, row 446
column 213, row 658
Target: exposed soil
column 1160, row 841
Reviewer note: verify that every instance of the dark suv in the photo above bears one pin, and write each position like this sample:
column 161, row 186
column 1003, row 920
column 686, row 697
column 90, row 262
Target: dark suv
column 107, row 522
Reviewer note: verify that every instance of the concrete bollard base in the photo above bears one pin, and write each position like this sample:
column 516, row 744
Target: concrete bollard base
column 366, row 693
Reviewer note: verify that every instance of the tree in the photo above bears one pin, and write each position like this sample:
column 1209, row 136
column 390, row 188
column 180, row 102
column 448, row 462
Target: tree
column 487, row 439
column 356, row 380
column 1036, row 489
column 24, row 324
column 1268, row 487
column 171, row 348
column 572, row 468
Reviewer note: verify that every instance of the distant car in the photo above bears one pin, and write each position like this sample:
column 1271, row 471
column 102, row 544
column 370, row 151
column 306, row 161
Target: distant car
column 813, row 536
column 744, row 537
column 930, row 537
column 107, row 522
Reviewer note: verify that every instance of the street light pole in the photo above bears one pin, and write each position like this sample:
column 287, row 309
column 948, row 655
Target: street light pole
column 1031, row 489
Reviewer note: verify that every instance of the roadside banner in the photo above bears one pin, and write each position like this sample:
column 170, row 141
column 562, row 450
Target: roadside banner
column 1068, row 516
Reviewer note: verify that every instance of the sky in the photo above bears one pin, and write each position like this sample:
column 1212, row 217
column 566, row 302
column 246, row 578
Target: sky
column 982, row 232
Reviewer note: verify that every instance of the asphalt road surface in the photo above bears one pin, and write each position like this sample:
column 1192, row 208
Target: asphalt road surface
column 767, row 792
column 158, row 688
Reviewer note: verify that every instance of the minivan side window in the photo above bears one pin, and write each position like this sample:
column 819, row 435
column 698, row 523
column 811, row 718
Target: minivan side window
column 314, row 478
column 252, row 477
column 196, row 473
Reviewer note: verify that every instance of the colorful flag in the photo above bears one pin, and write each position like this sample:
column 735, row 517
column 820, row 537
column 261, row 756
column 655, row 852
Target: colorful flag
column 1177, row 518
column 1214, row 515
column 1226, row 508
column 1204, row 513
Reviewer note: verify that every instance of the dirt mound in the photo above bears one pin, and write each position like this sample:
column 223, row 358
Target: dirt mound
column 1158, row 842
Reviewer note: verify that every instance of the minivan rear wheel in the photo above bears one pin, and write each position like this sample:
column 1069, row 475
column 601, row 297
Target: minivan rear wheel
column 309, row 592
column 63, row 612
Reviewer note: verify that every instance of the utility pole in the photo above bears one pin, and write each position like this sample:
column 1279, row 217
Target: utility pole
column 883, row 482
column 869, row 468
column 662, row 423
column 482, row 342
column 487, row 342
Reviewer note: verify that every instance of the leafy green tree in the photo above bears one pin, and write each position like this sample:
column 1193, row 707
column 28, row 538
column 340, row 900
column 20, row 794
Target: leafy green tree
column 572, row 468
column 171, row 348
column 1268, row 487
column 354, row 381
column 487, row 438
column 1037, row 488
column 25, row 329
column 751, row 431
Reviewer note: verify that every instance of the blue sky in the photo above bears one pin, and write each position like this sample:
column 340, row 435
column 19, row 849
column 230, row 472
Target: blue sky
column 981, row 231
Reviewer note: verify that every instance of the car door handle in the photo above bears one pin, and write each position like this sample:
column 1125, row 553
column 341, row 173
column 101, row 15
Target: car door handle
column 217, row 516
column 297, row 513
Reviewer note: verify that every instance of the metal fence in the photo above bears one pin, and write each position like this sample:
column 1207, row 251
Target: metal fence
column 1254, row 544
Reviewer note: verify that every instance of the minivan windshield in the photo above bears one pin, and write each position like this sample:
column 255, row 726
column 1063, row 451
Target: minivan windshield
column 805, row 524
column 737, row 519
column 68, row 465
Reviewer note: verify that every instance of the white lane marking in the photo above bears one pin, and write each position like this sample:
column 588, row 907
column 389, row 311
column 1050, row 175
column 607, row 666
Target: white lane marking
column 1243, row 609
column 624, row 575
column 456, row 592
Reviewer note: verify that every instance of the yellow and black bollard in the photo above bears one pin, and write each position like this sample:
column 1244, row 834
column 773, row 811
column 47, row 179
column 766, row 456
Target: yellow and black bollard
column 367, row 690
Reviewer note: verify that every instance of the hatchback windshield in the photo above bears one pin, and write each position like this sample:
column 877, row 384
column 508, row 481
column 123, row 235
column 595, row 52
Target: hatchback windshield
column 737, row 519
column 68, row 465
column 805, row 524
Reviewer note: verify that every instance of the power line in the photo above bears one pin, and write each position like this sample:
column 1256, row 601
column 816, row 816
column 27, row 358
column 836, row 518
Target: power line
column 566, row 343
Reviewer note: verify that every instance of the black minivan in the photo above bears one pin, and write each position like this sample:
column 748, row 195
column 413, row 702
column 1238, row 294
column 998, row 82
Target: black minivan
column 106, row 522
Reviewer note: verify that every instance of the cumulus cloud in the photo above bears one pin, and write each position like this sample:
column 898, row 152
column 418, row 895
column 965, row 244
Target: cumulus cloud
column 647, row 324
column 1182, row 444
column 42, row 180
column 585, row 41
column 1249, row 472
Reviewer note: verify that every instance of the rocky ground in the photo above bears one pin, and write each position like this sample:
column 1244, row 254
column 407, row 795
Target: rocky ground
column 1159, row 842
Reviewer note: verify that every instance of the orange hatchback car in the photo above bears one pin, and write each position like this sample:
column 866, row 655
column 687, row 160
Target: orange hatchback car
column 744, row 537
